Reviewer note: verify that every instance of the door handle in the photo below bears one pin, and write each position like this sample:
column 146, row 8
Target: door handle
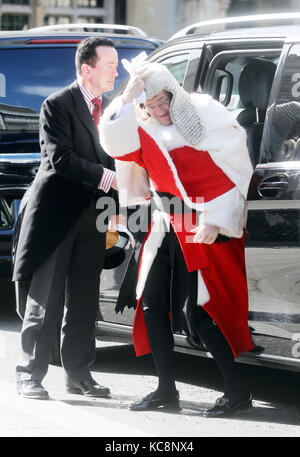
column 273, row 186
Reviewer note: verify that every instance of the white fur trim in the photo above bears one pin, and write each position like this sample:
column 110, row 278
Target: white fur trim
column 161, row 224
column 225, row 140
column 133, row 184
column 228, row 211
column 228, row 150
column 202, row 292
column 171, row 164
column 213, row 114
column 119, row 136
column 171, row 137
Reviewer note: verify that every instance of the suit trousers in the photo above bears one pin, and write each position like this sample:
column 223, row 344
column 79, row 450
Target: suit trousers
column 67, row 284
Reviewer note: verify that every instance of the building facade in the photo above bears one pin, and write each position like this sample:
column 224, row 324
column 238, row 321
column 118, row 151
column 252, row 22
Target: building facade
column 24, row 14
column 163, row 18
column 160, row 18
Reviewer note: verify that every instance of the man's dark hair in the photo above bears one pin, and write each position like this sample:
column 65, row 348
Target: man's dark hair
column 86, row 51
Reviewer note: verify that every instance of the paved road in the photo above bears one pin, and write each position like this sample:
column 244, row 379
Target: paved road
column 276, row 409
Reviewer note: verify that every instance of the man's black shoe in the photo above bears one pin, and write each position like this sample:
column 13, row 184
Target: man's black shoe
column 32, row 389
column 225, row 407
column 155, row 400
column 88, row 388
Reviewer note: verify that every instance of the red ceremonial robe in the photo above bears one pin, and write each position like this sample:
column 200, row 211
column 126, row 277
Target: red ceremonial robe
column 189, row 172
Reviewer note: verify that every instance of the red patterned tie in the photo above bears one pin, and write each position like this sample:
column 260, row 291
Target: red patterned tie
column 97, row 112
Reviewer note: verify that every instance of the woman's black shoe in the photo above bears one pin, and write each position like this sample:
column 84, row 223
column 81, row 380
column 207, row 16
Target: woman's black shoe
column 155, row 400
column 225, row 407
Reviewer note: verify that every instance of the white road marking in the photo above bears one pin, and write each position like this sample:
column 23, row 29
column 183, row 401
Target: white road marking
column 66, row 416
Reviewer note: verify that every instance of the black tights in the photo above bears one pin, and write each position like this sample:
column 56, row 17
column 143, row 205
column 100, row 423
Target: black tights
column 210, row 334
column 162, row 343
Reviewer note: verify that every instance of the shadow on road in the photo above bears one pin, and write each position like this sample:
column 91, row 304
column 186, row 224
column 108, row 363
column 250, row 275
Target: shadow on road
column 275, row 392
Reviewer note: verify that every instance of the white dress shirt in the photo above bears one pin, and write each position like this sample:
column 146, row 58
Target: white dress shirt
column 108, row 175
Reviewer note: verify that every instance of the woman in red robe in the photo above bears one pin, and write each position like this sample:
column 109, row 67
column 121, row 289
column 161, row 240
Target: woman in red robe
column 191, row 155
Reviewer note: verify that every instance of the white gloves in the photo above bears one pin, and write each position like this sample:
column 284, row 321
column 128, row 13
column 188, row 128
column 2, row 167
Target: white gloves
column 139, row 73
column 135, row 63
column 134, row 88
column 136, row 85
column 205, row 233
column 123, row 228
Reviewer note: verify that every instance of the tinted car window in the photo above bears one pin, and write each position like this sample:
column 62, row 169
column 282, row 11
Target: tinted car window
column 236, row 67
column 177, row 65
column 28, row 76
column 285, row 114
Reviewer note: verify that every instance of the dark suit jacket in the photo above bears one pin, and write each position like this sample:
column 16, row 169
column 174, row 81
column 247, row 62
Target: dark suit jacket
column 72, row 162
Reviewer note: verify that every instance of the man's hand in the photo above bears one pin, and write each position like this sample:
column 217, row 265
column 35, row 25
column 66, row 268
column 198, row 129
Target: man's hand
column 114, row 183
column 118, row 223
column 115, row 220
column 205, row 233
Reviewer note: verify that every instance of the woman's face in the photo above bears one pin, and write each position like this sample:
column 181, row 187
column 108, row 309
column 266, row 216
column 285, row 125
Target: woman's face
column 158, row 107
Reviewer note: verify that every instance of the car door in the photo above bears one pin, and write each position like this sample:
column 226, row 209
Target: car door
column 273, row 238
column 272, row 235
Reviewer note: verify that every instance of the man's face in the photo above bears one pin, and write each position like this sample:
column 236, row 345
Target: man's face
column 102, row 76
column 158, row 107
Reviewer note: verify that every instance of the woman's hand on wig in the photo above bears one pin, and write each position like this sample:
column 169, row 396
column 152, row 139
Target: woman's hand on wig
column 136, row 85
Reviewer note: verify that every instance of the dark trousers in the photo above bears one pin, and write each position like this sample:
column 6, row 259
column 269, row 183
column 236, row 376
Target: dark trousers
column 68, row 281
column 156, row 306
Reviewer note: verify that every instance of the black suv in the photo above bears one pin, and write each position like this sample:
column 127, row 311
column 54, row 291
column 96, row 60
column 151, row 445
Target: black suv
column 255, row 73
column 34, row 64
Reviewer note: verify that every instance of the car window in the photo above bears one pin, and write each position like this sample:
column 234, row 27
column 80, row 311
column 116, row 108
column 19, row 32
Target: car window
column 239, row 94
column 241, row 80
column 28, row 76
column 284, row 136
column 235, row 104
column 177, row 65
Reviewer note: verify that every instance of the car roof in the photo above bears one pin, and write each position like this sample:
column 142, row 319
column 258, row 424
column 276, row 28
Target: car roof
column 93, row 27
column 62, row 37
column 245, row 27
column 264, row 34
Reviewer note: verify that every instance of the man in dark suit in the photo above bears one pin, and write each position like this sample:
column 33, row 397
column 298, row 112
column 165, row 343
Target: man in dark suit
column 60, row 249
